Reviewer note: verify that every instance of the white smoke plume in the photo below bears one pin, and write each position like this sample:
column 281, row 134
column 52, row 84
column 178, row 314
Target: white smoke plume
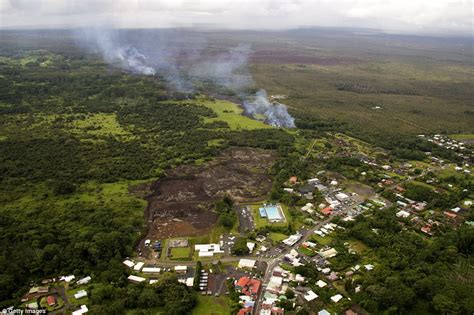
column 131, row 59
column 106, row 42
column 226, row 69
column 276, row 114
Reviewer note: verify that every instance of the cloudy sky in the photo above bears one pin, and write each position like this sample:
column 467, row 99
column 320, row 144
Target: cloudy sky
column 412, row 16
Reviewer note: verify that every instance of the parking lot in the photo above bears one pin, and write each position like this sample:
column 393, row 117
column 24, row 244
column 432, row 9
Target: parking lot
column 245, row 219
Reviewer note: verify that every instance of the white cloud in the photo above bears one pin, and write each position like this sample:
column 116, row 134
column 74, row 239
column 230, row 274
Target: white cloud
column 402, row 15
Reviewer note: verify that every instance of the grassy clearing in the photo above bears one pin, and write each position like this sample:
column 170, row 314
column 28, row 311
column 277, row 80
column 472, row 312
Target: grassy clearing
column 181, row 253
column 211, row 305
column 322, row 240
column 358, row 246
column 113, row 193
column 463, row 136
column 307, row 251
column 73, row 300
column 212, row 143
column 449, row 171
column 231, row 113
column 277, row 237
column 100, row 125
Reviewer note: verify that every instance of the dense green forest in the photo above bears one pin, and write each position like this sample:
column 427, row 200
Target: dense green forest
column 413, row 274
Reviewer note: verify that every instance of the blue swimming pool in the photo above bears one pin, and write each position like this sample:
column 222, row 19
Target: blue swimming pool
column 272, row 213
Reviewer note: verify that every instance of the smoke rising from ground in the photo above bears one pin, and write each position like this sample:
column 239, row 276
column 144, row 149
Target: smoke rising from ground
column 228, row 69
column 276, row 114
column 157, row 54
column 105, row 42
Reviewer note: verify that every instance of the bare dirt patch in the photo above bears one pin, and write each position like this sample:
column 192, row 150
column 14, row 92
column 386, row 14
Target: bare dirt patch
column 180, row 204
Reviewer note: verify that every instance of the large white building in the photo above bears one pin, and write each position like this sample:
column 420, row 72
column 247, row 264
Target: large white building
column 135, row 279
column 208, row 250
column 290, row 241
column 151, row 270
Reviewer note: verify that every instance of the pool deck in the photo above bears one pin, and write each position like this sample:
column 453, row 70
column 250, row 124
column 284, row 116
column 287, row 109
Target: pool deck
column 273, row 213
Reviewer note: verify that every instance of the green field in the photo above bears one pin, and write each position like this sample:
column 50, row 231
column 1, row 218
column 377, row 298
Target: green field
column 277, row 237
column 210, row 305
column 358, row 246
column 181, row 253
column 73, row 300
column 98, row 125
column 231, row 113
column 463, row 137
column 326, row 240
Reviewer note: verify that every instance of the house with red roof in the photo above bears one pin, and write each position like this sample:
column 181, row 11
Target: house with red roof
column 277, row 311
column 426, row 229
column 245, row 311
column 51, row 300
column 248, row 286
column 327, row 211
column 242, row 283
column 450, row 214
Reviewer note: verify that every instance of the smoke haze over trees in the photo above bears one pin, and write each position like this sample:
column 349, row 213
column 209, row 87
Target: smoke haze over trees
column 228, row 70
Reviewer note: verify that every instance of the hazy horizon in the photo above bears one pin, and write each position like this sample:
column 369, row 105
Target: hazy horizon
column 418, row 17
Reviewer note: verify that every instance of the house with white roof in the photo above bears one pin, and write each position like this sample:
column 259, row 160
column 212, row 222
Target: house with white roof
column 336, row 298
column 80, row 311
column 402, row 214
column 67, row 278
column 138, row 266
column 180, row 268
column 341, row 196
column 136, row 279
column 80, row 294
column 128, row 263
column 85, row 280
column 310, row 295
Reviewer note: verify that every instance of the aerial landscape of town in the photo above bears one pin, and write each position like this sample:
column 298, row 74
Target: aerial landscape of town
column 242, row 170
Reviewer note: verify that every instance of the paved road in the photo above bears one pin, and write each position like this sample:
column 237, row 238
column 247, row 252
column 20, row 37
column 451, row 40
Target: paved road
column 191, row 263
column 275, row 261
